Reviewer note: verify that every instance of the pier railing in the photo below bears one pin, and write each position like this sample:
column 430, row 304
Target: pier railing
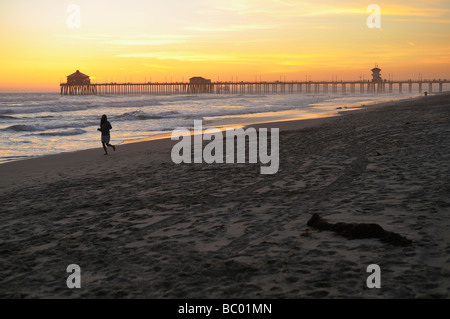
column 309, row 87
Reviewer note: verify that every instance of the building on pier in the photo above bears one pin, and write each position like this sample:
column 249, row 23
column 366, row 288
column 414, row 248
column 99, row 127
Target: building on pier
column 78, row 78
column 198, row 84
column 78, row 84
column 199, row 80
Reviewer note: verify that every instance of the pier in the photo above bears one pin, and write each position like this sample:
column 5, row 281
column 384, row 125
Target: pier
column 275, row 87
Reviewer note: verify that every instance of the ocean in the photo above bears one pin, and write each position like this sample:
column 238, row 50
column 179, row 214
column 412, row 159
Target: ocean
column 37, row 124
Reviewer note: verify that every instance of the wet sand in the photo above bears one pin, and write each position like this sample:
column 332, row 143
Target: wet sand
column 140, row 226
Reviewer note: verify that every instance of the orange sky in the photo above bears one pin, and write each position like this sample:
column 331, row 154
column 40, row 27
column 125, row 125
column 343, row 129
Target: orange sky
column 156, row 40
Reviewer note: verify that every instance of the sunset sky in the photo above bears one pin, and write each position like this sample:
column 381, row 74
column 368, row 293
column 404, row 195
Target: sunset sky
column 224, row 40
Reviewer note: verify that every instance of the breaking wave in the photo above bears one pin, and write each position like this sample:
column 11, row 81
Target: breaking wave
column 23, row 128
column 64, row 133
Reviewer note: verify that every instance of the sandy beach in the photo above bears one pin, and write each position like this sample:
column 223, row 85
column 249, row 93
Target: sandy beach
column 140, row 226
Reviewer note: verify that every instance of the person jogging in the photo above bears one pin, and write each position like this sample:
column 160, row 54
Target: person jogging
column 105, row 127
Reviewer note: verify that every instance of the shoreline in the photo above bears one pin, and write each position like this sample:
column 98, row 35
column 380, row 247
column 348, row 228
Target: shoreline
column 70, row 160
column 140, row 226
column 312, row 120
column 307, row 120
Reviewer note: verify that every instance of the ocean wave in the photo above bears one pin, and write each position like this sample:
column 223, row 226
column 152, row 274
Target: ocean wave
column 169, row 114
column 63, row 133
column 65, row 104
column 56, row 126
column 7, row 111
column 23, row 128
column 73, row 106
column 73, row 124
column 27, row 97
column 44, row 109
column 133, row 104
column 137, row 115
column 140, row 115
column 7, row 117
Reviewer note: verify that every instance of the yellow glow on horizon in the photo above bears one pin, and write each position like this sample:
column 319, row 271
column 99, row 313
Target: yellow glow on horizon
column 265, row 39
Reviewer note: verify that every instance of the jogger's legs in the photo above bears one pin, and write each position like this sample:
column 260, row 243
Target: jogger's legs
column 104, row 147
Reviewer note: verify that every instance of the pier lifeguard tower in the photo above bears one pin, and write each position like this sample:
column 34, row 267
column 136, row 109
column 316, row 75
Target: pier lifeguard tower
column 376, row 76
column 377, row 84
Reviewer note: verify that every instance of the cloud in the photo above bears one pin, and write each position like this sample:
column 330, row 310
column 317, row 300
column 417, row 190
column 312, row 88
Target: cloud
column 149, row 39
column 138, row 39
column 287, row 60
column 174, row 56
column 182, row 56
column 131, row 42
column 422, row 20
column 90, row 37
column 290, row 8
column 228, row 28
column 157, row 66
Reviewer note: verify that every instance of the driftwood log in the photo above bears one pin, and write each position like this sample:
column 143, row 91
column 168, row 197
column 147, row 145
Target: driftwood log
column 359, row 231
